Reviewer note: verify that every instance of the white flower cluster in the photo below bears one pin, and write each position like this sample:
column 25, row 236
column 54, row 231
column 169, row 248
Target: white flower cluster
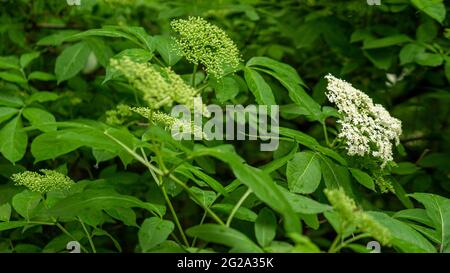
column 367, row 128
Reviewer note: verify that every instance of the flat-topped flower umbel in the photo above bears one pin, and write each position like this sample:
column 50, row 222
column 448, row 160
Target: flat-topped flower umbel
column 366, row 128
column 202, row 42
column 46, row 182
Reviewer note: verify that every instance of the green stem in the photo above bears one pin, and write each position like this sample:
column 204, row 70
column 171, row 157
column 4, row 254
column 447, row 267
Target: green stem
column 88, row 235
column 65, row 231
column 166, row 197
column 237, row 206
column 351, row 240
column 174, row 214
column 194, row 72
column 334, row 244
column 325, row 133
column 161, row 173
column 207, row 209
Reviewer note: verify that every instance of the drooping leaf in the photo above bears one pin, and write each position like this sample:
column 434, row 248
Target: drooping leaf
column 71, row 61
column 153, row 232
column 13, row 141
column 438, row 209
column 40, row 119
column 25, row 203
column 225, row 236
column 363, row 178
column 99, row 200
column 265, row 227
column 433, row 8
column 258, row 86
column 404, row 237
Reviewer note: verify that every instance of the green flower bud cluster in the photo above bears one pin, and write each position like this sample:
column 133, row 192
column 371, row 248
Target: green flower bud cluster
column 119, row 115
column 159, row 86
column 384, row 185
column 202, row 42
column 46, row 182
column 170, row 122
column 353, row 216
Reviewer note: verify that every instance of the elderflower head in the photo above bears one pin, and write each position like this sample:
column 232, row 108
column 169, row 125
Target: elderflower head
column 170, row 122
column 160, row 87
column 202, row 42
column 367, row 128
column 352, row 215
column 46, row 182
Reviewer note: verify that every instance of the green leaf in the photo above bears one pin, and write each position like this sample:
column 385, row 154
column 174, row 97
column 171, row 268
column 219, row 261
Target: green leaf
column 5, row 212
column 258, row 181
column 418, row 215
column 71, row 61
column 433, row 8
column 99, row 200
column 225, row 236
column 9, row 98
column 303, row 172
column 13, row 141
column 409, row 53
column 258, row 86
column 40, row 119
column 265, row 227
column 168, row 49
column 142, row 36
column 226, row 89
column 101, row 50
column 41, row 76
column 12, row 77
column 89, row 134
column 153, row 232
column 107, row 31
column 214, row 184
column 429, row 59
column 42, row 96
column 27, row 58
column 12, row 225
column 438, row 209
column 363, row 178
column 382, row 58
column 7, row 112
column 206, row 197
column 9, row 62
column 404, row 168
column 25, row 203
column 303, row 204
column 386, row 41
column 289, row 78
column 427, row 31
column 335, row 176
column 242, row 213
column 401, row 194
column 311, row 143
column 403, row 236
column 57, row 38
